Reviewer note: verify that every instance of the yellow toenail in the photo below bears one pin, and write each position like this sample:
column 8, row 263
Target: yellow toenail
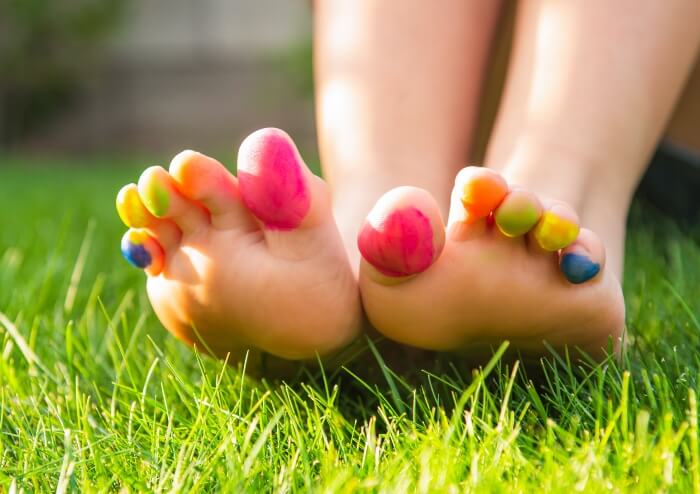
column 130, row 208
column 554, row 232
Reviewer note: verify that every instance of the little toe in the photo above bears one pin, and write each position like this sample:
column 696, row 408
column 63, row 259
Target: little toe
column 557, row 228
column 584, row 259
column 143, row 251
column 402, row 236
column 518, row 213
column 477, row 193
column 135, row 215
column 205, row 180
column 162, row 197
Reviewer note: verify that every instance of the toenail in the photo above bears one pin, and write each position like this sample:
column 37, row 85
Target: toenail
column 400, row 244
column 130, row 209
column 518, row 213
column 156, row 196
column 482, row 194
column 272, row 183
column 554, row 232
column 578, row 268
column 141, row 250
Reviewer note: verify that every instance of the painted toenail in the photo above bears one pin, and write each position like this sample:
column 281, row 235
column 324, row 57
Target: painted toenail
column 141, row 250
column 399, row 244
column 272, row 182
column 156, row 196
column 518, row 213
column 130, row 209
column 578, row 268
column 554, row 232
column 482, row 194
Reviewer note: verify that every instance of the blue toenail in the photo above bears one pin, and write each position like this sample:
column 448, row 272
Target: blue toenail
column 136, row 254
column 578, row 268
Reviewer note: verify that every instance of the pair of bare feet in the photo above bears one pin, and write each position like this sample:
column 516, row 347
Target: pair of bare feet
column 257, row 262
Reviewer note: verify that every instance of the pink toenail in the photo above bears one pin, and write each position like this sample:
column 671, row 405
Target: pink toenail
column 399, row 244
column 272, row 182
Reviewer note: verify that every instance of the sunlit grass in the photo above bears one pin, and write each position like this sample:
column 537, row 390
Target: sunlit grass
column 95, row 396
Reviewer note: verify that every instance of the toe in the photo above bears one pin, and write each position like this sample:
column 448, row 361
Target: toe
column 143, row 251
column 403, row 234
column 135, row 215
column 275, row 184
column 478, row 191
column 131, row 210
column 204, row 180
column 584, row 259
column 161, row 195
column 518, row 213
column 557, row 228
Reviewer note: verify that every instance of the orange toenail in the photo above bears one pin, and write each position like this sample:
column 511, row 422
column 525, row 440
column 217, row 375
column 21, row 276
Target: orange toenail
column 482, row 194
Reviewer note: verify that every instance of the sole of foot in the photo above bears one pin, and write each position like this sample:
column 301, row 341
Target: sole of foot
column 508, row 266
column 253, row 262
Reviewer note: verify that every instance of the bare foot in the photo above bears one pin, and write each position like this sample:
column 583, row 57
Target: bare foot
column 254, row 262
column 508, row 267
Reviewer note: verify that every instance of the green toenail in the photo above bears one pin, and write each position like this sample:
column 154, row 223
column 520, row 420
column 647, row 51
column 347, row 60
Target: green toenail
column 517, row 217
column 157, row 198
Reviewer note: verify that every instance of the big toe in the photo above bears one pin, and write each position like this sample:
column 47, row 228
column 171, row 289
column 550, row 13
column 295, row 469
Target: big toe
column 276, row 185
column 402, row 236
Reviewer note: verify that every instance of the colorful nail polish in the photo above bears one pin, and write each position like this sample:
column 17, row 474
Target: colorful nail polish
column 271, row 180
column 578, row 268
column 130, row 208
column 402, row 244
column 142, row 251
column 155, row 193
column 518, row 213
column 483, row 191
column 554, row 232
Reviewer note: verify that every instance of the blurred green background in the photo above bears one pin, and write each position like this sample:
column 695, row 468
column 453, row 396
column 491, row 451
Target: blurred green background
column 136, row 81
column 149, row 78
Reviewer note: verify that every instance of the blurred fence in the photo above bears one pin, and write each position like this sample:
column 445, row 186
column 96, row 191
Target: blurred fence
column 156, row 75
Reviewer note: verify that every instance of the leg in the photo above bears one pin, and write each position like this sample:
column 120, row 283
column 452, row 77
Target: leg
column 572, row 105
column 397, row 85
column 589, row 91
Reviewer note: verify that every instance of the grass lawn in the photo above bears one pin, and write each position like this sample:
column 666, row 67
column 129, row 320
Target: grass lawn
column 95, row 396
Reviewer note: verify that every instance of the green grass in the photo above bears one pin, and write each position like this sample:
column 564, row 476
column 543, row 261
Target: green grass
column 95, row 396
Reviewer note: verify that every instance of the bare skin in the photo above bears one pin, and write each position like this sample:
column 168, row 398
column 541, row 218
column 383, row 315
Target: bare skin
column 577, row 125
column 259, row 263
column 467, row 297
column 231, row 268
column 579, row 120
column 393, row 109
